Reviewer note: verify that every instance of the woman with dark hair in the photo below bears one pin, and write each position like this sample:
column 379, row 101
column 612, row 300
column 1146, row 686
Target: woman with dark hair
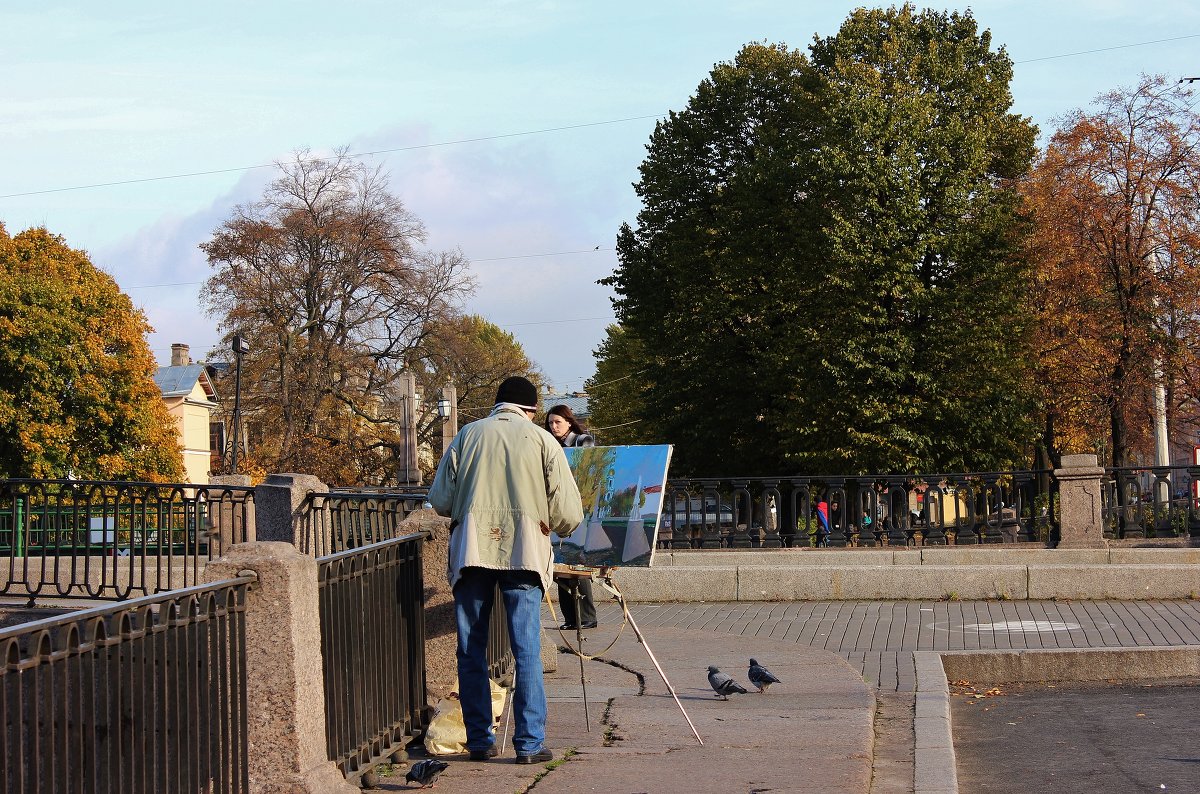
column 566, row 428
column 562, row 423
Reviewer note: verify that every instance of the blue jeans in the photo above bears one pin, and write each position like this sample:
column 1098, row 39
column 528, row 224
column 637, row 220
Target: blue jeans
column 473, row 597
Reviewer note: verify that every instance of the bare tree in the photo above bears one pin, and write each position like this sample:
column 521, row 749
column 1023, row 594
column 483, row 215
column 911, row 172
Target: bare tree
column 325, row 277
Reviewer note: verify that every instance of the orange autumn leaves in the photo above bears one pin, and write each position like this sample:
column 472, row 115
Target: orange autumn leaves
column 1116, row 289
column 77, row 396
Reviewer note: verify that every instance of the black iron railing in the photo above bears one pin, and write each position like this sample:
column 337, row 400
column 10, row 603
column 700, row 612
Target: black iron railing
column 373, row 646
column 77, row 538
column 1159, row 502
column 146, row 696
column 774, row 512
column 339, row 521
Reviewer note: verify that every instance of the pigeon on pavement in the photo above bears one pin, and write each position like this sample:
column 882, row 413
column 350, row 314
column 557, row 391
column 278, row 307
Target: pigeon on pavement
column 425, row 773
column 760, row 676
column 722, row 684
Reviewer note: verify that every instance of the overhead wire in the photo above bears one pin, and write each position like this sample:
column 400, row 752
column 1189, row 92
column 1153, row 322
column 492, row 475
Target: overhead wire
column 376, row 152
column 1106, row 49
column 496, row 136
column 597, row 249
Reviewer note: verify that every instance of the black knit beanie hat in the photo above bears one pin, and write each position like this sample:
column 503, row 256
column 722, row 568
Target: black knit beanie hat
column 518, row 391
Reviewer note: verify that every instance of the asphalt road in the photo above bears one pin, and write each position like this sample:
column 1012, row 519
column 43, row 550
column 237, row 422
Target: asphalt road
column 1113, row 738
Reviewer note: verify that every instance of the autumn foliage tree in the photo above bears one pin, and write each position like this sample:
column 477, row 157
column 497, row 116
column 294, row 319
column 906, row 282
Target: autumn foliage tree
column 476, row 356
column 1116, row 200
column 326, row 277
column 77, row 392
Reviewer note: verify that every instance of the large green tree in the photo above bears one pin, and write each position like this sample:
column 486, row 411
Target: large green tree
column 618, row 391
column 824, row 276
column 712, row 284
column 77, row 393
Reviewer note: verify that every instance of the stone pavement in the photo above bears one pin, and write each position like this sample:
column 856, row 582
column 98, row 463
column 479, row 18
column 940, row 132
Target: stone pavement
column 813, row 732
column 879, row 638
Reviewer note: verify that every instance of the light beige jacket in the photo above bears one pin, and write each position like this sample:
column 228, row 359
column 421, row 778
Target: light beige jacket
column 503, row 479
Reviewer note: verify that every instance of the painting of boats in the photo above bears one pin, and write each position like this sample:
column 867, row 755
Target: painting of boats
column 622, row 491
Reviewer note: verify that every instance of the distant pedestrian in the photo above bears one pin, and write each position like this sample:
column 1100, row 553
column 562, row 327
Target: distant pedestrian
column 505, row 484
column 822, row 534
column 566, row 428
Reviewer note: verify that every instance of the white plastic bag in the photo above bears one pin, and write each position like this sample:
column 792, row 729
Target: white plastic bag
column 446, row 734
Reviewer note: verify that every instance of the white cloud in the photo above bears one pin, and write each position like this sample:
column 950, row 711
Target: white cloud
column 491, row 200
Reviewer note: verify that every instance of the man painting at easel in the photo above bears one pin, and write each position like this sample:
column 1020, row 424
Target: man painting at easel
column 505, row 484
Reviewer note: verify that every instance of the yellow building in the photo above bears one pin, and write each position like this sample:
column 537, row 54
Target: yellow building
column 188, row 392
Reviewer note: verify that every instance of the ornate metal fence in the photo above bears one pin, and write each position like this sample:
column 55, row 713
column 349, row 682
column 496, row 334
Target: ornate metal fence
column 373, row 645
column 78, row 538
column 146, row 696
column 1160, row 502
column 774, row 512
column 336, row 522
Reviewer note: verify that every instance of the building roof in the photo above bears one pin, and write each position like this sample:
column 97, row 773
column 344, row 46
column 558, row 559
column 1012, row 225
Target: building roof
column 576, row 401
column 179, row 381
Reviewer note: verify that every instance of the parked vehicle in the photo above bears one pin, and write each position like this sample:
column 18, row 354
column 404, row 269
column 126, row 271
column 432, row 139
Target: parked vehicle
column 697, row 512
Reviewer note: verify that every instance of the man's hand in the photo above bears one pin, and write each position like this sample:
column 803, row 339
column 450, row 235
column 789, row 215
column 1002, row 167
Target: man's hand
column 545, row 528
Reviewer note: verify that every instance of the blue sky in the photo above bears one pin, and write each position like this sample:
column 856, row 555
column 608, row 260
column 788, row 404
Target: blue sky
column 100, row 93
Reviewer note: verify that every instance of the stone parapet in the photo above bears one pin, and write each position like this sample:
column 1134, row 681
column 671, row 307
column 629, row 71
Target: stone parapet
column 1079, row 502
column 1120, row 582
column 284, row 680
column 665, row 584
column 924, row 582
column 1143, row 574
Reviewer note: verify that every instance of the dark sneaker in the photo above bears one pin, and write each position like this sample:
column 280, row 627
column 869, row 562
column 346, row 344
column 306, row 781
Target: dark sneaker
column 484, row 755
column 545, row 755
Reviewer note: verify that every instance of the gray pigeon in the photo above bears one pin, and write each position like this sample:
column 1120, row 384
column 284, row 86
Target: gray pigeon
column 722, row 684
column 425, row 773
column 760, row 676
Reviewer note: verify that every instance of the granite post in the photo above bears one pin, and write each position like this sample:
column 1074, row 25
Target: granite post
column 1079, row 503
column 284, row 681
column 278, row 516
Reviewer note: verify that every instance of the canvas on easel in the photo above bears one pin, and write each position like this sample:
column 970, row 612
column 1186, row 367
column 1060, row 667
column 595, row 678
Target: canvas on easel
column 622, row 489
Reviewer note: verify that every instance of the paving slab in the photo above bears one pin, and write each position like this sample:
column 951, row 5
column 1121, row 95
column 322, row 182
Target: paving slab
column 640, row 740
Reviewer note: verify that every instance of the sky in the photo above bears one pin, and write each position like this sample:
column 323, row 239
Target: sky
column 513, row 130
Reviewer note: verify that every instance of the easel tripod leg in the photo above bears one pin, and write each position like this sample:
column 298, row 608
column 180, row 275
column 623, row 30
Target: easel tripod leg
column 638, row 633
column 587, row 719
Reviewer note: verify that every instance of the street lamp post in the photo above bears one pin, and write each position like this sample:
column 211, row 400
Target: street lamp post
column 411, row 417
column 240, row 347
column 447, row 409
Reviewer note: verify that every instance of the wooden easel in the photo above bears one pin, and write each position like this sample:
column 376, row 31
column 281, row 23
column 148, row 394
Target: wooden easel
column 603, row 576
